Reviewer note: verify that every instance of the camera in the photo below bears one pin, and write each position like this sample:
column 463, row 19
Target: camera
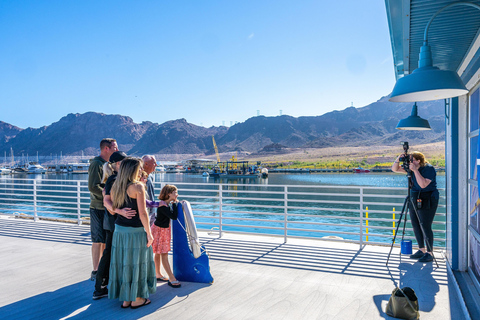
column 406, row 158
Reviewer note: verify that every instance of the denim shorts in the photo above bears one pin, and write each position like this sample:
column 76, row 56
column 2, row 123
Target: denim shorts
column 96, row 225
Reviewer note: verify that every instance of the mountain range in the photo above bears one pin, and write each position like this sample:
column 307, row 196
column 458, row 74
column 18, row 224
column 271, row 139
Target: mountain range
column 373, row 124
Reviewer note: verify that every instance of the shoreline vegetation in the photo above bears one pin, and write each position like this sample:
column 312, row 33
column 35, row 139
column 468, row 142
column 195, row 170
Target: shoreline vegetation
column 368, row 157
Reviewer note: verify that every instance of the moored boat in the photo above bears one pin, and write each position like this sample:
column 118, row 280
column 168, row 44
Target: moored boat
column 361, row 170
column 35, row 168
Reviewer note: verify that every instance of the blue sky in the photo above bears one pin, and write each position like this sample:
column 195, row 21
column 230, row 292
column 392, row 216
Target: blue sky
column 210, row 62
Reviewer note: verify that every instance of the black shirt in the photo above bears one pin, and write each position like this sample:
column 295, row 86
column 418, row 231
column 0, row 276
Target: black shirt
column 108, row 218
column 164, row 214
column 135, row 222
column 428, row 172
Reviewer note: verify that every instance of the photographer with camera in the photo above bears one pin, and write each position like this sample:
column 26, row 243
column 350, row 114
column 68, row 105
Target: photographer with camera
column 423, row 195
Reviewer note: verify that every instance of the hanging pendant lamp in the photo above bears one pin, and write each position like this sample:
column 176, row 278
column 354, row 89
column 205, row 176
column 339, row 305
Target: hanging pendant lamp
column 413, row 122
column 428, row 82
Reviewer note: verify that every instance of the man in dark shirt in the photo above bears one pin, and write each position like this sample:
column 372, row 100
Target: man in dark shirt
column 95, row 172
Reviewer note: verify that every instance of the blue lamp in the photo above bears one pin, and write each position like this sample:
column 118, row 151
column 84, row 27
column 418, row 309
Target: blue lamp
column 428, row 82
column 413, row 122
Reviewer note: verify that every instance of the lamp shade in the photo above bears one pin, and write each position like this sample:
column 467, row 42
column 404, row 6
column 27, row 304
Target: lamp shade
column 413, row 122
column 427, row 82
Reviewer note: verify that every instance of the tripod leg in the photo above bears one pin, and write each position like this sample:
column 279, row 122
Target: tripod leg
column 398, row 226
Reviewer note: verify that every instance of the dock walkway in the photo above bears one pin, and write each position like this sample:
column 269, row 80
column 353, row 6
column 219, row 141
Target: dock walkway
column 45, row 268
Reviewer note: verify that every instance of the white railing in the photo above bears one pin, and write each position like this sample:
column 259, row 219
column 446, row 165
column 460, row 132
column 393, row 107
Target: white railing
column 344, row 213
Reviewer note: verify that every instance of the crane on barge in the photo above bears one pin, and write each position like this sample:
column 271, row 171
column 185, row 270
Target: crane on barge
column 216, row 149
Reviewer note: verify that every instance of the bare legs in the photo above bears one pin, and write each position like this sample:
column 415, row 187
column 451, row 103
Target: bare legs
column 166, row 266
column 162, row 260
column 97, row 251
column 156, row 259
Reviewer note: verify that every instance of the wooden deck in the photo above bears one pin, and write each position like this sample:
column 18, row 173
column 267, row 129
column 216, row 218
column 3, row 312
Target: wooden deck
column 45, row 268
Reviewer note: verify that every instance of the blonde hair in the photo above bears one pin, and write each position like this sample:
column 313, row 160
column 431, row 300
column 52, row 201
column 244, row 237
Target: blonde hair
column 127, row 175
column 107, row 171
column 421, row 157
column 164, row 194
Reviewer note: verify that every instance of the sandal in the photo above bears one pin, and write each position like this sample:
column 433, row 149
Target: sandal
column 174, row 284
column 125, row 307
column 163, row 279
column 147, row 301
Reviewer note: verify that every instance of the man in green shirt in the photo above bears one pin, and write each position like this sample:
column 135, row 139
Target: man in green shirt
column 97, row 210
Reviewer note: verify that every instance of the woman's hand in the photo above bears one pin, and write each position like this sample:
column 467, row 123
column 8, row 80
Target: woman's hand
column 149, row 240
column 414, row 166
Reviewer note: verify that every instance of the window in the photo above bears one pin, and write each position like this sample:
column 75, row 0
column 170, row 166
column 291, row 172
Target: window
column 474, row 206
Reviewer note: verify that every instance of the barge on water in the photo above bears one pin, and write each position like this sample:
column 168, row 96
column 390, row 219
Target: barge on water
column 236, row 169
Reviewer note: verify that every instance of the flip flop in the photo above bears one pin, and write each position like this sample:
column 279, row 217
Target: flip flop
column 174, row 284
column 147, row 301
column 123, row 307
column 162, row 279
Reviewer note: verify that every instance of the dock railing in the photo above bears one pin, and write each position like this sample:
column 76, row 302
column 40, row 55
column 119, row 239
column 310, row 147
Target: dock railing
column 339, row 213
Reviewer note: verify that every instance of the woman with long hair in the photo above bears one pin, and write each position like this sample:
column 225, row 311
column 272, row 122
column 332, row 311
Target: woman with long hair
column 132, row 270
column 423, row 202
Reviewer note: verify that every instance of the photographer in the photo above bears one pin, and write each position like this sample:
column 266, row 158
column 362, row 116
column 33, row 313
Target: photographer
column 424, row 195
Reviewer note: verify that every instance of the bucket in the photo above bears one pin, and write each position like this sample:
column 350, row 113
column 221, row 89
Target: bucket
column 406, row 247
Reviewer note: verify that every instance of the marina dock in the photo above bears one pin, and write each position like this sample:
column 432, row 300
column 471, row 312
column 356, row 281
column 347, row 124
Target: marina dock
column 46, row 267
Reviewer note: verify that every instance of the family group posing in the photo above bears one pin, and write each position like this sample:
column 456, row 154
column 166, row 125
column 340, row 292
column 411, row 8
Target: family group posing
column 130, row 231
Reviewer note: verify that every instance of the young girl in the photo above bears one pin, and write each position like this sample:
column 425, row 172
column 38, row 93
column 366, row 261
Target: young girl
column 162, row 234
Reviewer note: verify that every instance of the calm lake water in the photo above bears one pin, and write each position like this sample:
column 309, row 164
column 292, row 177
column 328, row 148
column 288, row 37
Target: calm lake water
column 336, row 179
column 234, row 201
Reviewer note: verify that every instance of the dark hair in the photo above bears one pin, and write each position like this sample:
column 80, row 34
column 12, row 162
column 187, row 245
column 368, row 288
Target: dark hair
column 107, row 142
column 169, row 188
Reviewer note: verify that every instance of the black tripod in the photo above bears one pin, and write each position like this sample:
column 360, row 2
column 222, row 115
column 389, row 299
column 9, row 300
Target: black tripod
column 403, row 215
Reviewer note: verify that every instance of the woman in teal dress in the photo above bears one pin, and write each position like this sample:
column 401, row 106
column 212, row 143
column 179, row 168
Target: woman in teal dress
column 132, row 269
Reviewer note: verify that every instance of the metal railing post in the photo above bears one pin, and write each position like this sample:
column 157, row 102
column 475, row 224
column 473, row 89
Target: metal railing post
column 35, row 213
column 361, row 216
column 220, row 203
column 79, row 213
column 285, row 212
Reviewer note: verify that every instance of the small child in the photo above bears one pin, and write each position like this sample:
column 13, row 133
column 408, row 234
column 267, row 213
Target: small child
column 162, row 233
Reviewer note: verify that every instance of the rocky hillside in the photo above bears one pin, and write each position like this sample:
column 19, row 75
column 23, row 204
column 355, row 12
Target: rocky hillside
column 370, row 125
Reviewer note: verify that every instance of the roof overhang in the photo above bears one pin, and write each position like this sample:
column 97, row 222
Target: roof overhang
column 453, row 36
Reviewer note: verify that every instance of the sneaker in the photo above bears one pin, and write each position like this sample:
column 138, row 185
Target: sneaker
column 417, row 255
column 93, row 276
column 427, row 257
column 100, row 294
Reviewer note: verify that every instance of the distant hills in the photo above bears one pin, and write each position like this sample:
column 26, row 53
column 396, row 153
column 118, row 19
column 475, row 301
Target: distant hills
column 370, row 125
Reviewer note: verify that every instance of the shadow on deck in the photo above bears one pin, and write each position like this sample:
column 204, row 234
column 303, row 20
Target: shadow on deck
column 254, row 278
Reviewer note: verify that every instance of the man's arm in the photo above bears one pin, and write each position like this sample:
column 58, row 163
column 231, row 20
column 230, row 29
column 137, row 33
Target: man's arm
column 95, row 179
